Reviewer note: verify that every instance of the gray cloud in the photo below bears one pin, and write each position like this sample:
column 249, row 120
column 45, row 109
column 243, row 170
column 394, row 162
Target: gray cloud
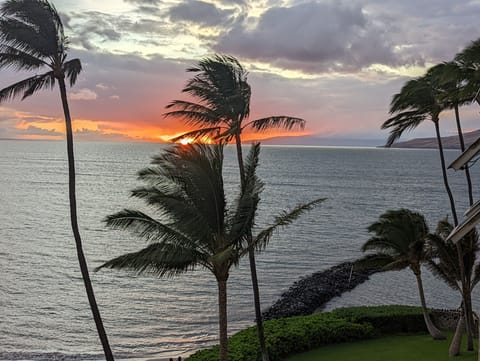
column 200, row 12
column 143, row 2
column 96, row 24
column 313, row 37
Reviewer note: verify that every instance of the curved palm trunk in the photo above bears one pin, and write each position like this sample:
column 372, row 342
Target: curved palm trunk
column 76, row 233
column 432, row 330
column 222, row 319
column 454, row 349
column 253, row 266
column 462, row 148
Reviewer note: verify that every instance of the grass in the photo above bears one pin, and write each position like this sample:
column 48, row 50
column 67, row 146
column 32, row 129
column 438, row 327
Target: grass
column 389, row 348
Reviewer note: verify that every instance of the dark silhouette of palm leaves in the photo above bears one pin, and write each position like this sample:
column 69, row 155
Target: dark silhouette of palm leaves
column 32, row 38
column 193, row 225
column 416, row 102
column 399, row 242
column 443, row 257
column 223, row 93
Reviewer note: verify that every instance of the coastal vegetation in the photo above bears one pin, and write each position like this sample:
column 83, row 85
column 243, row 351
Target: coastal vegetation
column 399, row 243
column 293, row 335
column 444, row 86
column 193, row 225
column 32, row 38
column 222, row 110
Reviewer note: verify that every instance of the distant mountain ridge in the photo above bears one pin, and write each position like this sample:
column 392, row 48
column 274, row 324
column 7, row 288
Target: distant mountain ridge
column 450, row 142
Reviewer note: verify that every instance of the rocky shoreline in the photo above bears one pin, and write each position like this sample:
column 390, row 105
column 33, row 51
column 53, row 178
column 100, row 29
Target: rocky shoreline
column 312, row 292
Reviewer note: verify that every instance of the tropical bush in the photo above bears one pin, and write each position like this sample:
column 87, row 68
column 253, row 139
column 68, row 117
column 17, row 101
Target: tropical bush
column 386, row 319
column 287, row 336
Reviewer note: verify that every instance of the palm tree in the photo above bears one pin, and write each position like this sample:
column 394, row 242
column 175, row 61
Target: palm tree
column 195, row 227
column 421, row 99
column 32, row 38
column 444, row 263
column 449, row 77
column 222, row 111
column 399, row 242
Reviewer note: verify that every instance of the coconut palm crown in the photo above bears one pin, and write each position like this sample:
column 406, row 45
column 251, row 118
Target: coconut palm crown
column 223, row 93
column 399, row 243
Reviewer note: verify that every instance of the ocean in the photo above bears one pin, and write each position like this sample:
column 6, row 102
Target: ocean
column 44, row 313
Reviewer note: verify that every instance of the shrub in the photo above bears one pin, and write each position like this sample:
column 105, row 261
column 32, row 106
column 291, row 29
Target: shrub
column 386, row 319
column 288, row 336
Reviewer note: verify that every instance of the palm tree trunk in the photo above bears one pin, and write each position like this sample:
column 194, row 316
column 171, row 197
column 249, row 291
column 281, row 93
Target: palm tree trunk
column 76, row 233
column 462, row 148
column 455, row 218
column 466, row 292
column 467, row 296
column 432, row 330
column 454, row 349
column 253, row 266
column 444, row 171
column 222, row 319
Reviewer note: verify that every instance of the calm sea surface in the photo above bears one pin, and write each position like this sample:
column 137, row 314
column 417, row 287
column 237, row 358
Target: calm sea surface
column 44, row 314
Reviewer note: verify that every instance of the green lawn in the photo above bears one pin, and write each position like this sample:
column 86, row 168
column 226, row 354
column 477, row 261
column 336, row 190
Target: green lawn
column 390, row 348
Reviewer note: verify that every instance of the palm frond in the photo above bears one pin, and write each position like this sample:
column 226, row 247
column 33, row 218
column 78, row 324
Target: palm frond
column 378, row 261
column 72, row 69
column 442, row 274
column 281, row 121
column 470, row 56
column 193, row 114
column 283, row 220
column 27, row 86
column 144, row 226
column 158, row 259
column 476, row 276
column 32, row 26
column 199, row 134
column 196, row 170
column 242, row 220
column 398, row 124
column 16, row 59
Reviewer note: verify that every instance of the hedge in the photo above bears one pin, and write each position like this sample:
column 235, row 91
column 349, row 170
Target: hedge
column 287, row 336
column 386, row 319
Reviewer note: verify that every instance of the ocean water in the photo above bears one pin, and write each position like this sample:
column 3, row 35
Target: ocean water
column 44, row 313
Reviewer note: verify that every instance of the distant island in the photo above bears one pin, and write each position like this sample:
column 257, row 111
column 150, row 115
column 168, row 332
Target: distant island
column 450, row 142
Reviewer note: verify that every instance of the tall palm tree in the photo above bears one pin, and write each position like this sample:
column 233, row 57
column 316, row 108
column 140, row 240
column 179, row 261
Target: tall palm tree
column 421, row 99
column 220, row 86
column 399, row 242
column 450, row 78
column 417, row 101
column 32, row 38
column 194, row 226
column 444, row 264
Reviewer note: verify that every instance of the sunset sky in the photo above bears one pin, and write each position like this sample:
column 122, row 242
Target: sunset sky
column 334, row 63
